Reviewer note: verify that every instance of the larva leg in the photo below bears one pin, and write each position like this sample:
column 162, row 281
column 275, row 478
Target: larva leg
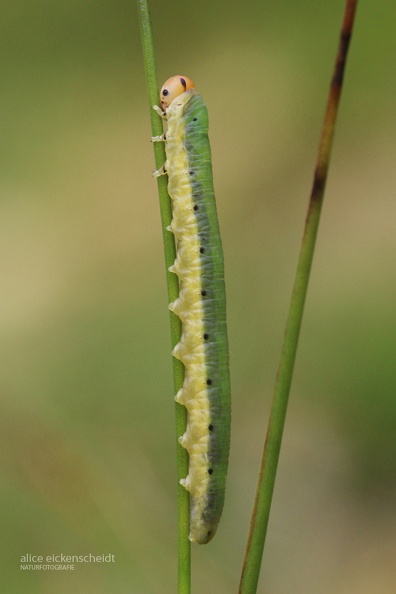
column 161, row 138
column 159, row 111
column 160, row 171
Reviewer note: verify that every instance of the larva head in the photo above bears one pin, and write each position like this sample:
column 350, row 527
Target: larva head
column 173, row 87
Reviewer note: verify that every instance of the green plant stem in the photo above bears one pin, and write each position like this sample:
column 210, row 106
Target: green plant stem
column 184, row 549
column 269, row 463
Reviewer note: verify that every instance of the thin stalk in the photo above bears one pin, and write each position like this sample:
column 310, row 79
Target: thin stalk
column 184, row 549
column 269, row 463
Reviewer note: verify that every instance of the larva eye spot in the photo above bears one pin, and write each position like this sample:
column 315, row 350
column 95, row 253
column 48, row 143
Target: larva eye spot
column 173, row 87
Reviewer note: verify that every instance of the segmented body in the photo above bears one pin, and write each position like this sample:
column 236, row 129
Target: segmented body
column 201, row 306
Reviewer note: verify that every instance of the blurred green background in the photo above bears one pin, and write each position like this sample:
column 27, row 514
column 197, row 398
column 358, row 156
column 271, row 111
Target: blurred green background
column 87, row 414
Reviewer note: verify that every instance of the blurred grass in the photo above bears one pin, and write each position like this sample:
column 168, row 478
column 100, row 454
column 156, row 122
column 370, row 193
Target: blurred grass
column 87, row 406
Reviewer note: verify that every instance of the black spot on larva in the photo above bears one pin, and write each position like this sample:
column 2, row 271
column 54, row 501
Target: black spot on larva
column 191, row 172
column 209, row 382
column 183, row 82
column 195, row 119
column 209, row 532
column 206, row 336
column 210, row 427
column 201, row 250
column 203, row 293
column 195, row 207
column 165, row 92
column 210, row 471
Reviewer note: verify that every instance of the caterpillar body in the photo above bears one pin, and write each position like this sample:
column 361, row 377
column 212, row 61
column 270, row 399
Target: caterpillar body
column 201, row 305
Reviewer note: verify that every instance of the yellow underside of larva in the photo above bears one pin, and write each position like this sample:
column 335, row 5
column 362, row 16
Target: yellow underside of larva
column 190, row 350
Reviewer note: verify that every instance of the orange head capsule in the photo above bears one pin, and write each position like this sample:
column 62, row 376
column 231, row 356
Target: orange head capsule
column 174, row 86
